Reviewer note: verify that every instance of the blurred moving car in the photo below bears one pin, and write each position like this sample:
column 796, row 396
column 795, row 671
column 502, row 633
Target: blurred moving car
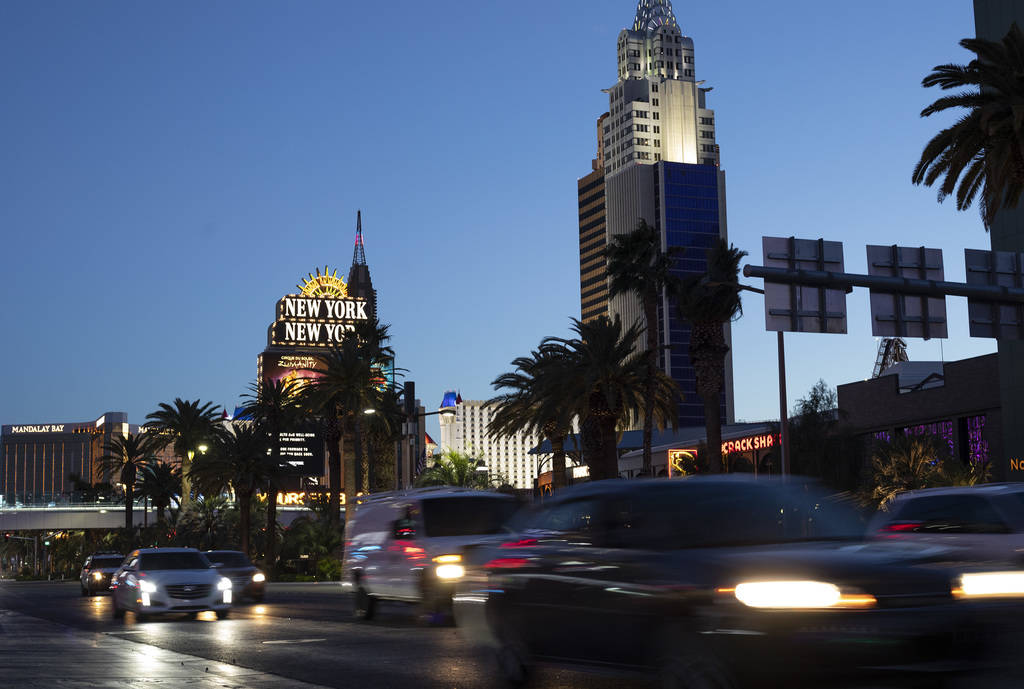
column 97, row 570
column 408, row 545
column 246, row 578
column 163, row 580
column 719, row 582
column 983, row 522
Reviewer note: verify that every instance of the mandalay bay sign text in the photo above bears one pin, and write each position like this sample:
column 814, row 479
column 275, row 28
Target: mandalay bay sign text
column 316, row 321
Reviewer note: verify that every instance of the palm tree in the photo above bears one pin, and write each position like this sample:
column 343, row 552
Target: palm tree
column 185, row 426
column 603, row 383
column 161, row 483
column 534, row 404
column 346, row 386
column 453, row 468
column 911, row 462
column 238, row 460
column 125, row 457
column 383, row 429
column 275, row 406
column 637, row 265
column 708, row 302
column 984, row 150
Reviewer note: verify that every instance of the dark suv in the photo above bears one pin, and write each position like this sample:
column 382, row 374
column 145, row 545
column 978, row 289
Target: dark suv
column 96, row 571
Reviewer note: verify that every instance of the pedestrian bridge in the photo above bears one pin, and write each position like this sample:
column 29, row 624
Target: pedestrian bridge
column 96, row 516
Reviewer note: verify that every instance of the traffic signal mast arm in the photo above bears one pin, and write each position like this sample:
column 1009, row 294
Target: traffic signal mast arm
column 886, row 284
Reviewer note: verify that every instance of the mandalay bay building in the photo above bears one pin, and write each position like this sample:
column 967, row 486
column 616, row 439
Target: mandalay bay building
column 657, row 159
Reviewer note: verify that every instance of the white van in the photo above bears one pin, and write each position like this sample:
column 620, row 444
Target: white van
column 409, row 545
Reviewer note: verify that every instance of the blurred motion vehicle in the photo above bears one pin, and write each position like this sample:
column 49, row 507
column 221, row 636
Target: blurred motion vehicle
column 718, row 582
column 983, row 522
column 409, row 545
column 247, row 581
column 166, row 580
column 97, row 570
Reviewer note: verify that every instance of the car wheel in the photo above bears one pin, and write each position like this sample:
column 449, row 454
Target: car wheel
column 116, row 609
column 435, row 607
column 223, row 614
column 690, row 665
column 364, row 606
column 141, row 617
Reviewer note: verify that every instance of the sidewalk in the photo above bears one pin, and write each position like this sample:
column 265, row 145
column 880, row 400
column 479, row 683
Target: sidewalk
column 37, row 654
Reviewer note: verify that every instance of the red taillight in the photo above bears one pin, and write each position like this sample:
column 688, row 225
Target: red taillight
column 507, row 563
column 524, row 543
column 894, row 529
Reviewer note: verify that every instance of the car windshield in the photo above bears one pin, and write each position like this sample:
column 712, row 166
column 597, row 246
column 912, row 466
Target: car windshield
column 228, row 559
column 112, row 561
column 179, row 560
column 697, row 514
column 466, row 516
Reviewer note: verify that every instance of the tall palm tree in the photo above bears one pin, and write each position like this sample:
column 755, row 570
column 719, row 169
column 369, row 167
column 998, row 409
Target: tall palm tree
column 238, row 460
column 533, row 403
column 124, row 458
column 275, row 407
column 347, row 384
column 638, row 265
column 984, row 150
column 603, row 384
column 708, row 302
column 161, row 483
column 185, row 426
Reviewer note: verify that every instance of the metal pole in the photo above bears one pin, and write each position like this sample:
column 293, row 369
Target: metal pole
column 35, row 554
column 783, row 420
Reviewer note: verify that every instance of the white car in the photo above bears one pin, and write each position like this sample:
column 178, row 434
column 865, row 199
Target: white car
column 409, row 545
column 162, row 580
column 978, row 523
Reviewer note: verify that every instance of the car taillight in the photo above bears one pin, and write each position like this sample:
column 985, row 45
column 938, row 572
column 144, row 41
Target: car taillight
column 507, row 563
column 894, row 529
column 523, row 543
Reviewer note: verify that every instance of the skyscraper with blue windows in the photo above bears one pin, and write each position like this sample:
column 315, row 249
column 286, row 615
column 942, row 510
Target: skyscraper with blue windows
column 658, row 160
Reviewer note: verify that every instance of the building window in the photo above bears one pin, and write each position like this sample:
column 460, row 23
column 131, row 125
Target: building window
column 688, row 59
column 657, row 143
column 688, row 72
column 654, row 88
column 655, row 115
column 657, row 129
column 654, row 101
column 707, row 134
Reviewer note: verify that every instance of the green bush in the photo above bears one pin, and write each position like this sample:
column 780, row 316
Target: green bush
column 328, row 569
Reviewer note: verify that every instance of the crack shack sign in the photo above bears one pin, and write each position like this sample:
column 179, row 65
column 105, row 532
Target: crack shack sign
column 318, row 317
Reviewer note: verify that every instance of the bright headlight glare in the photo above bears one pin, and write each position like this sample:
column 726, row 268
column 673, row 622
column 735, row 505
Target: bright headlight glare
column 990, row 584
column 224, row 584
column 806, row 595
column 147, row 586
column 97, row 575
column 447, row 559
column 450, row 571
column 258, row 577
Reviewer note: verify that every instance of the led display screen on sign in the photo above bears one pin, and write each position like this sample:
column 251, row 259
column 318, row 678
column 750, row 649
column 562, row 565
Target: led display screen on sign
column 302, row 452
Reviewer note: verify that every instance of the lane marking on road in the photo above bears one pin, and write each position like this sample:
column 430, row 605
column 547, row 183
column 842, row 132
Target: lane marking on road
column 294, row 641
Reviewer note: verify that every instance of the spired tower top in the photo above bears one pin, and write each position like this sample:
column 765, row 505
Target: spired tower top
column 650, row 14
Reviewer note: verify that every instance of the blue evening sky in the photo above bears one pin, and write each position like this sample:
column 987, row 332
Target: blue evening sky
column 170, row 170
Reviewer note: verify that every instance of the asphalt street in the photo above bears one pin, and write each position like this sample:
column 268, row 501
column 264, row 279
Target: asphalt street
column 51, row 636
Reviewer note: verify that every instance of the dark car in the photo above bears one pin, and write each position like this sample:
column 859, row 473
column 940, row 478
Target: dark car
column 246, row 578
column 96, row 572
column 722, row 582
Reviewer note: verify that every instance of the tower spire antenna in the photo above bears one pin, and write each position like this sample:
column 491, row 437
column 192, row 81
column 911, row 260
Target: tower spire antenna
column 359, row 254
column 650, row 14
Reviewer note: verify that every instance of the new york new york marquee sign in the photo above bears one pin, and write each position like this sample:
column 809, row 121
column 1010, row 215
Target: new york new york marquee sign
column 319, row 315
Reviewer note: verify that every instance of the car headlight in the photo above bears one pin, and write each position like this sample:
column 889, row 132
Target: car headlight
column 449, row 567
column 147, row 586
column 990, row 584
column 259, row 577
column 804, row 595
column 224, row 584
column 97, row 575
